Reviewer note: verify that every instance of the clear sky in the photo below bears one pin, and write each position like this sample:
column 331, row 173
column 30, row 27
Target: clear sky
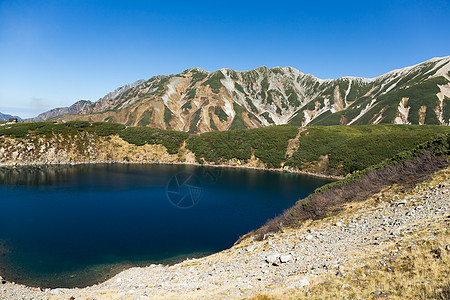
column 53, row 53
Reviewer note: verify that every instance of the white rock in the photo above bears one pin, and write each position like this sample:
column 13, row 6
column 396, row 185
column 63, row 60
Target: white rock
column 251, row 248
column 273, row 258
column 309, row 237
column 299, row 284
column 56, row 292
column 338, row 224
column 284, row 258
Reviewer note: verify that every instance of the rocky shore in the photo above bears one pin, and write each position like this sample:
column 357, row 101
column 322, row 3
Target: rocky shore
column 289, row 260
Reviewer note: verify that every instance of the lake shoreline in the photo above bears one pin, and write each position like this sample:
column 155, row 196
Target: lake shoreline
column 94, row 162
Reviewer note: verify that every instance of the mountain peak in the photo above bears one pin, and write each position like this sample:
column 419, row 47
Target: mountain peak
column 226, row 99
column 195, row 69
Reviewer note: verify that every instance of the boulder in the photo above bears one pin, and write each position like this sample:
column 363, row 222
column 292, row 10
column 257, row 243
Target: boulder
column 299, row 284
column 284, row 258
column 273, row 259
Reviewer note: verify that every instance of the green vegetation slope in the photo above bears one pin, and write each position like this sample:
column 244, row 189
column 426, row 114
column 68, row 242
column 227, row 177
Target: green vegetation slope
column 330, row 150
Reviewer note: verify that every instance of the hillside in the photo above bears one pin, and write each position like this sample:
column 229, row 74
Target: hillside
column 330, row 150
column 199, row 101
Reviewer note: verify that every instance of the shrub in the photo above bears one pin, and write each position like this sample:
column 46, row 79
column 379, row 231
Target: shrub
column 46, row 128
column 105, row 129
column 269, row 144
column 354, row 148
column 139, row 136
column 214, row 81
column 20, row 130
column 408, row 167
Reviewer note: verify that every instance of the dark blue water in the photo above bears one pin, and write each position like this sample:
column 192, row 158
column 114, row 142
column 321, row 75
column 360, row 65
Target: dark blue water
column 79, row 225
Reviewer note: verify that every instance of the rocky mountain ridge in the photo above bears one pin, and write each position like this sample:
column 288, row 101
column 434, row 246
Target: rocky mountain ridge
column 75, row 108
column 198, row 101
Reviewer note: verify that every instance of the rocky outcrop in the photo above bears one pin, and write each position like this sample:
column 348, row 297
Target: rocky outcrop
column 77, row 108
column 83, row 147
column 86, row 106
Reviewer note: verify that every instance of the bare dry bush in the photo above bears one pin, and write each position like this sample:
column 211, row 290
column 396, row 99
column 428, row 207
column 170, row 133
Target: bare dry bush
column 329, row 202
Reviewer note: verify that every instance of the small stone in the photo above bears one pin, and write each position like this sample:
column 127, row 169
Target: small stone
column 299, row 284
column 251, row 248
column 437, row 252
column 119, row 280
column 273, row 259
column 309, row 237
column 377, row 292
column 346, row 285
column 338, row 224
column 279, row 281
column 402, row 202
column 55, row 292
column 340, row 274
column 284, row 258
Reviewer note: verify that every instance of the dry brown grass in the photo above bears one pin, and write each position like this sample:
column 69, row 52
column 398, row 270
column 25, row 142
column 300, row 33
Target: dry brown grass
column 419, row 270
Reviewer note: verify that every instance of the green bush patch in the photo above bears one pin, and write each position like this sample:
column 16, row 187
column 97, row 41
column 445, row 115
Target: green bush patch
column 106, row 129
column 269, row 144
column 354, row 148
column 140, row 136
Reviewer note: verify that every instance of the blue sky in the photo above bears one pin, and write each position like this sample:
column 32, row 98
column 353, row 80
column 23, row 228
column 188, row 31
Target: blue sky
column 53, row 53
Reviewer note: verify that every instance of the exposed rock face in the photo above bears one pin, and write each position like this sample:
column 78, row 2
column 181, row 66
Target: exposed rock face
column 83, row 147
column 198, row 101
column 119, row 91
column 76, row 108
column 86, row 106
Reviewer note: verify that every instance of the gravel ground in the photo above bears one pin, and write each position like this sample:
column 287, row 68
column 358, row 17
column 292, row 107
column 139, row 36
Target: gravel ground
column 291, row 259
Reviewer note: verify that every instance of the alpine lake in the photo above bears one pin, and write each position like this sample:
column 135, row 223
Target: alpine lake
column 74, row 226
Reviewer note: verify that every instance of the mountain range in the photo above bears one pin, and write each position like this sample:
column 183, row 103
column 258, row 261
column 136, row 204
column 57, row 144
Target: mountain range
column 198, row 101
column 5, row 117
